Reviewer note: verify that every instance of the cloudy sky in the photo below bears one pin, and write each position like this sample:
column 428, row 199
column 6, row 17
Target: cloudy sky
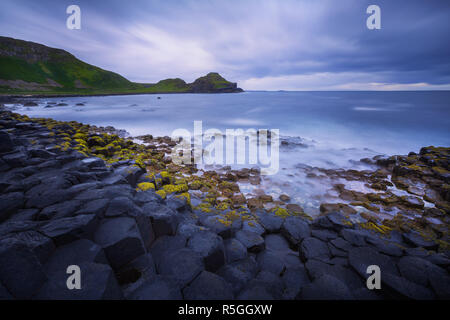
column 262, row 45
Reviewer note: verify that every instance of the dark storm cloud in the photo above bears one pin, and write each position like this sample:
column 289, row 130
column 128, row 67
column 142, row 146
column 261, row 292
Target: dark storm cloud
column 262, row 44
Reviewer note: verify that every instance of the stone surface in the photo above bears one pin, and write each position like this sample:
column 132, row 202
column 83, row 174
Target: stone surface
column 208, row 286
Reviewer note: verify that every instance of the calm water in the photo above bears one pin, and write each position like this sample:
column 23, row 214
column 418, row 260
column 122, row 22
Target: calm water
column 336, row 126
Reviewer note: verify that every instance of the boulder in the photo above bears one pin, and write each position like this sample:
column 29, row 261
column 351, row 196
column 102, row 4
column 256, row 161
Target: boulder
column 164, row 219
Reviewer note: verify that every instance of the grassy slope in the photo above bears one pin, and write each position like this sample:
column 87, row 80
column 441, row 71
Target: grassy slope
column 32, row 62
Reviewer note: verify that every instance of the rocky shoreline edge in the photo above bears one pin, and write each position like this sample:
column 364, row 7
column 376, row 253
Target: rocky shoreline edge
column 73, row 194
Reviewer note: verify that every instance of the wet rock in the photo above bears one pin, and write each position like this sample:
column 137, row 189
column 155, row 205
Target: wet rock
column 208, row 286
column 209, row 246
column 120, row 239
column 295, row 230
column 98, row 282
column 269, row 221
column 20, row 270
column 251, row 240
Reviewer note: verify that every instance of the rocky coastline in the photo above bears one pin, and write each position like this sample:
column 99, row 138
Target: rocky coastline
column 140, row 227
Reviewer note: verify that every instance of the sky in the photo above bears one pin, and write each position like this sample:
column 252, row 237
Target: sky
column 262, row 45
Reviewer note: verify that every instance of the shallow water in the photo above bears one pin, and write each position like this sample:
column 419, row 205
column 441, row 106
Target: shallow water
column 323, row 129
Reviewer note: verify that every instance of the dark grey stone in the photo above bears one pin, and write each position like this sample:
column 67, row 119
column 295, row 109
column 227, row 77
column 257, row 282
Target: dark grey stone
column 326, row 287
column 234, row 250
column 121, row 240
column 269, row 221
column 362, row 257
column 74, row 253
column 20, row 270
column 182, row 264
column 239, row 273
column 295, row 229
column 160, row 288
column 209, row 246
column 252, row 241
column 97, row 282
column 10, row 203
column 312, row 248
column 164, row 219
column 208, row 286
column 66, row 230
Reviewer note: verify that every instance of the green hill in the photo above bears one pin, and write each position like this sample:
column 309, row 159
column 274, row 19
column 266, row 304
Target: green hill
column 32, row 68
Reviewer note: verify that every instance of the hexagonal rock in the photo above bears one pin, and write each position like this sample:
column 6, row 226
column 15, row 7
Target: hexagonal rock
column 40, row 245
column 326, row 287
column 252, row 241
column 271, row 262
column 208, row 286
column 166, row 244
column 214, row 224
column 425, row 273
column 316, row 269
column 294, row 279
column 20, row 271
column 182, row 264
column 66, row 230
column 277, row 243
column 121, row 206
column 164, row 219
column 76, row 252
column 160, row 288
column 253, row 226
column 239, row 273
column 6, row 144
column 210, row 246
column 313, row 248
column 10, row 203
column 362, row 257
column 399, row 287
column 121, row 240
column 269, row 221
column 295, row 229
column 355, row 237
column 415, row 239
column 130, row 173
column 97, row 282
column 234, row 250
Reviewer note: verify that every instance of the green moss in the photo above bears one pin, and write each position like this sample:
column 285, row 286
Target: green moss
column 144, row 186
